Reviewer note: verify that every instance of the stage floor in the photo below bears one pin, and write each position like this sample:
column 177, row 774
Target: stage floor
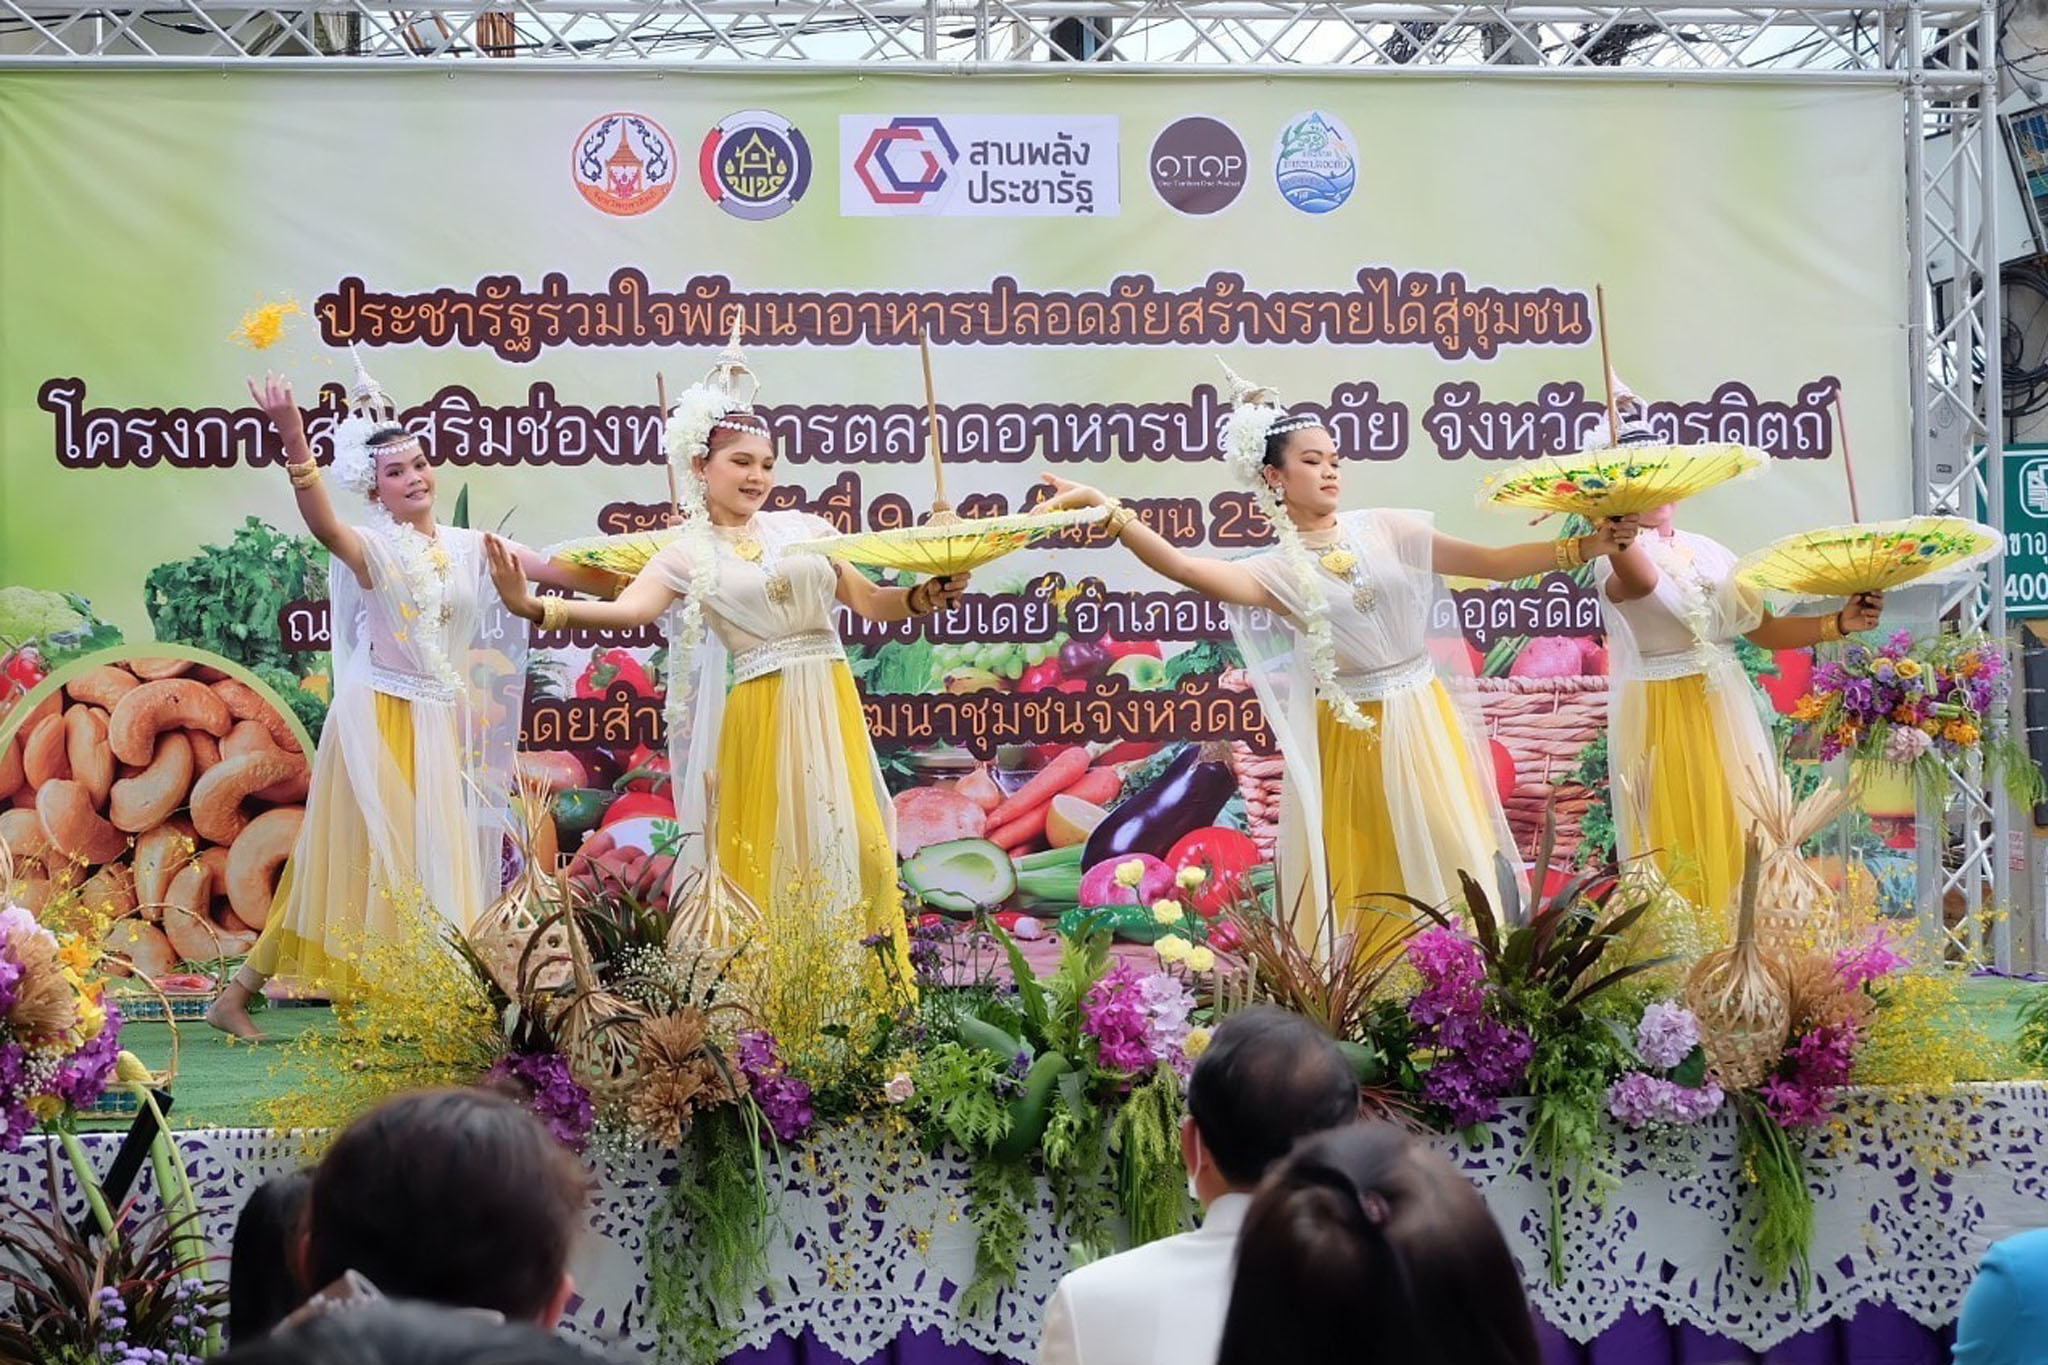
column 225, row 1084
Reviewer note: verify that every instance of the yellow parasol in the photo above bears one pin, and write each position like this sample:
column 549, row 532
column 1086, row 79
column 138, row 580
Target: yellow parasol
column 623, row 555
column 947, row 544
column 1621, row 480
column 1842, row 561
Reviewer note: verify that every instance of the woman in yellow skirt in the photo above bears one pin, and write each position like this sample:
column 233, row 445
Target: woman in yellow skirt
column 409, row 795
column 804, row 819
column 1686, row 730
column 1388, row 789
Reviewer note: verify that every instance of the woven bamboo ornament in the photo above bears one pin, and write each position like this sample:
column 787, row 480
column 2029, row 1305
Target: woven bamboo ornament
column 599, row 1030
column 1738, row 995
column 505, row 932
column 712, row 912
column 1796, row 908
column 1674, row 927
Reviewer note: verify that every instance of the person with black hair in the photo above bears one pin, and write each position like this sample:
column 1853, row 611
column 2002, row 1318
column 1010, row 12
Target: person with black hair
column 409, row 797
column 1366, row 1244
column 263, row 1287
column 460, row 1197
column 394, row 1332
column 1268, row 1079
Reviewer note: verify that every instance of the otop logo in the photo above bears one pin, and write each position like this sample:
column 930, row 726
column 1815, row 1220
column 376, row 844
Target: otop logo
column 906, row 161
column 754, row 164
column 978, row 165
column 624, row 164
column 1198, row 166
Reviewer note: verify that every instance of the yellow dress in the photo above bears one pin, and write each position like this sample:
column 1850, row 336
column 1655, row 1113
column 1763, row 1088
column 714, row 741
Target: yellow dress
column 805, row 823
column 406, row 804
column 1685, row 726
column 1401, row 807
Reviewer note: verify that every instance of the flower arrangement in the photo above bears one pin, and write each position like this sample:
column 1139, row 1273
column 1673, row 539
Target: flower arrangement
column 1478, row 1058
column 1919, row 705
column 1671, row 1086
column 59, row 1035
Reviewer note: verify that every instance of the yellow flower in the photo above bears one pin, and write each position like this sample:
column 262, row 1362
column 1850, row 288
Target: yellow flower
column 46, row 1107
column 77, row 954
column 1172, row 948
column 1167, row 912
column 1807, row 707
column 1930, row 726
column 1191, row 877
column 1195, row 1044
column 1908, row 668
column 1340, row 562
column 128, row 1069
column 1201, row 959
column 1130, row 872
column 92, row 1017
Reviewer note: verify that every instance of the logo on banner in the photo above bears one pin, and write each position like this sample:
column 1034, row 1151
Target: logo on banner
column 978, row 166
column 1316, row 164
column 1198, row 166
column 624, row 164
column 754, row 164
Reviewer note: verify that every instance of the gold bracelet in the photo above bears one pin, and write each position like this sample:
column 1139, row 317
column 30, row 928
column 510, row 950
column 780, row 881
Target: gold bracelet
column 1119, row 517
column 1561, row 553
column 303, row 475
column 554, row 614
column 1831, row 629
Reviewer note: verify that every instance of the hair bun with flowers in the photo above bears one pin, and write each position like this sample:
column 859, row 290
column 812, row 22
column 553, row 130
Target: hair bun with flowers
column 369, row 410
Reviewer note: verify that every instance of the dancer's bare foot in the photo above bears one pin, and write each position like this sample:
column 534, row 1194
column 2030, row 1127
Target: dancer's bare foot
column 230, row 1014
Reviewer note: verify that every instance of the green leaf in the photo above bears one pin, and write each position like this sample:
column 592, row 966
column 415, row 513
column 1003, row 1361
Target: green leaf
column 461, row 517
column 1692, row 1072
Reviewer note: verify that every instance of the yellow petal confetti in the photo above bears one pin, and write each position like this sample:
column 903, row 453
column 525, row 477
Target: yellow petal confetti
column 263, row 326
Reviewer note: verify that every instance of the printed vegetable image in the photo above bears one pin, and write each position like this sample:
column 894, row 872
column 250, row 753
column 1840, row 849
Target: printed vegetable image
column 157, row 797
column 932, row 815
column 1050, row 880
column 1503, row 768
column 40, row 631
column 1224, row 857
column 1101, row 888
column 960, row 877
column 1187, row 796
column 1548, row 656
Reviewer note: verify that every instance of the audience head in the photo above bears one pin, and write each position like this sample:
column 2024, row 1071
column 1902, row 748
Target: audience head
column 262, row 1285
column 392, row 1332
column 453, row 1196
column 1366, row 1230
column 1268, row 1079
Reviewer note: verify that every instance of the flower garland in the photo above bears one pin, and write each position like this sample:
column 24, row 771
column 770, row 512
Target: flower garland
column 685, row 437
column 1244, row 446
column 59, row 1035
column 425, row 565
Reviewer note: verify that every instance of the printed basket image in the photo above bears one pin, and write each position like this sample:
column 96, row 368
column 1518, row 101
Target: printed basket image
column 1545, row 725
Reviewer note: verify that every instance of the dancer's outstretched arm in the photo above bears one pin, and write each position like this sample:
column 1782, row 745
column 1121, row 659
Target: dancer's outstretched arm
column 1217, row 578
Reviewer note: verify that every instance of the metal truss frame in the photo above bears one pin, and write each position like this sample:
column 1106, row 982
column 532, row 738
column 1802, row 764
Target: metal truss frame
column 1941, row 53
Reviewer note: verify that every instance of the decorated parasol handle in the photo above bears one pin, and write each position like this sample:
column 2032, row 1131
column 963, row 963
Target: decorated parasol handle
column 675, row 503
column 942, row 511
column 1607, row 368
column 1848, row 469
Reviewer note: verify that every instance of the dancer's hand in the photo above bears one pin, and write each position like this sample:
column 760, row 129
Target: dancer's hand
column 945, row 592
column 275, row 401
column 1862, row 612
column 1611, row 537
column 1068, row 494
column 510, row 578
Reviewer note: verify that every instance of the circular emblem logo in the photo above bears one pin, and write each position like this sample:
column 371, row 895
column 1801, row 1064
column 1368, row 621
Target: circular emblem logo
column 754, row 164
column 624, row 164
column 1198, row 166
column 1316, row 162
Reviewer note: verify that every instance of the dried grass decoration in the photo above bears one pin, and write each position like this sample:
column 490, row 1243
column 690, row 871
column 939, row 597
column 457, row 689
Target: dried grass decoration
column 712, row 912
column 1796, row 908
column 1738, row 995
column 599, row 1030
column 523, row 938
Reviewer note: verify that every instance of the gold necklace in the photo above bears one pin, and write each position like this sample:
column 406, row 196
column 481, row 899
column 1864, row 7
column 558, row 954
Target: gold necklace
column 746, row 544
column 1341, row 562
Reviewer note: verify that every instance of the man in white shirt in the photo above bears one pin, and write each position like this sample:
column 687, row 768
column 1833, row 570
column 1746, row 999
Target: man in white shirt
column 1268, row 1079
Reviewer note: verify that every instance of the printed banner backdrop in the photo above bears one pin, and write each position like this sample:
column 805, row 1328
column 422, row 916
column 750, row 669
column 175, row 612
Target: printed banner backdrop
column 518, row 252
